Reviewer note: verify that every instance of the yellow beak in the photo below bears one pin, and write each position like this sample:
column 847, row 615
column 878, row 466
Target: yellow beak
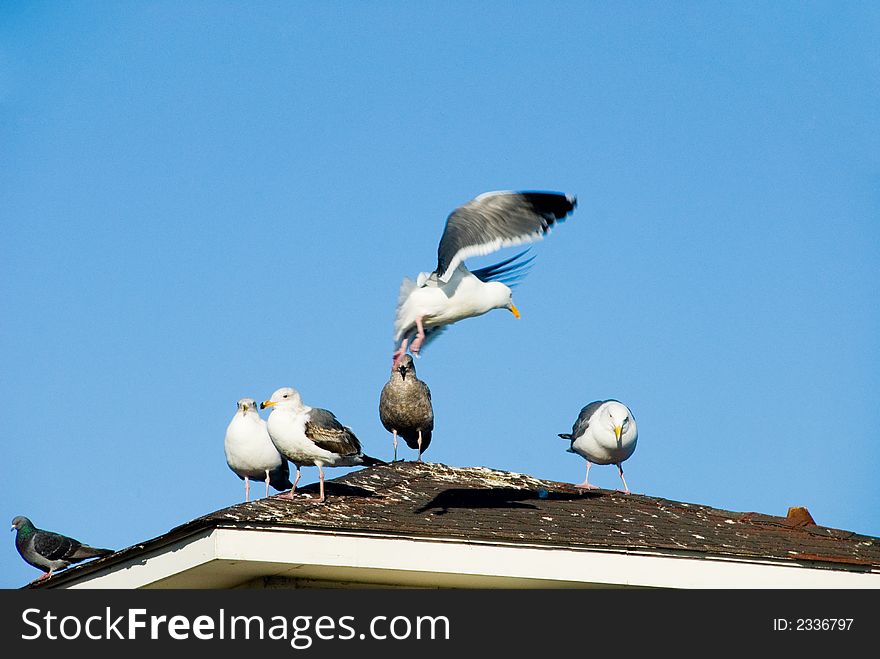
column 617, row 431
column 514, row 310
column 266, row 403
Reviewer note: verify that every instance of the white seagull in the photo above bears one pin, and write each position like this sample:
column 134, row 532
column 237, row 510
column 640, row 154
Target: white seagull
column 451, row 292
column 311, row 435
column 604, row 433
column 250, row 452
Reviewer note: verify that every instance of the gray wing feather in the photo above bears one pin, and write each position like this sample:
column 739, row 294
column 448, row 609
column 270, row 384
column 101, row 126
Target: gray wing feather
column 495, row 220
column 509, row 271
column 583, row 421
column 54, row 546
column 325, row 430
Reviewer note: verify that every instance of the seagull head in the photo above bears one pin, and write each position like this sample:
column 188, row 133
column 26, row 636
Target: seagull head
column 619, row 419
column 246, row 405
column 499, row 296
column 405, row 367
column 286, row 397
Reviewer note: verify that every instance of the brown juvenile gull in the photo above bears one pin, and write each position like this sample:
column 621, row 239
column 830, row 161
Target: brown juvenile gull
column 405, row 407
column 311, row 435
column 451, row 292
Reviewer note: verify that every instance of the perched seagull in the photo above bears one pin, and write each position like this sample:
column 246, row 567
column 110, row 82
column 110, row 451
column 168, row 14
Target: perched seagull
column 250, row 452
column 451, row 293
column 50, row 551
column 312, row 436
column 405, row 407
column 605, row 433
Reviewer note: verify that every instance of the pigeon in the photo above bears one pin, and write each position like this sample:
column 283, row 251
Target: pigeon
column 604, row 433
column 250, row 452
column 311, row 435
column 405, row 407
column 50, row 551
column 451, row 292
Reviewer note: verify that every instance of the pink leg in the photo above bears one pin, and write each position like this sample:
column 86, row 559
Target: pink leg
column 420, row 337
column 420, row 446
column 267, row 482
column 247, row 489
column 295, row 481
column 45, row 576
column 625, row 486
column 395, row 445
column 321, row 476
column 586, row 484
column 400, row 352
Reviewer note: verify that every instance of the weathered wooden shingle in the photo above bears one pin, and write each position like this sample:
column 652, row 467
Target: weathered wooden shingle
column 475, row 503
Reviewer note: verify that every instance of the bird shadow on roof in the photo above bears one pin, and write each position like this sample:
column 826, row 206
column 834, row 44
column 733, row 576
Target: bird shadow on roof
column 337, row 489
column 499, row 497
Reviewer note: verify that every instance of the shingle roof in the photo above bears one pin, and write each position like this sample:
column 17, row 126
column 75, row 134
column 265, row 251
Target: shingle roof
column 425, row 500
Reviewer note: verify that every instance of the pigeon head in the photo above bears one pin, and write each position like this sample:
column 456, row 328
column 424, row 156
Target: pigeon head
column 286, row 397
column 21, row 522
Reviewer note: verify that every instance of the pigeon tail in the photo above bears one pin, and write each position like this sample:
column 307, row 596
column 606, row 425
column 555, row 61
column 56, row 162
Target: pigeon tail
column 89, row 552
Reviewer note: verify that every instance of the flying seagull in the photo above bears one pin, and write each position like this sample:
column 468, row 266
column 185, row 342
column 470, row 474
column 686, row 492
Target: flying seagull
column 451, row 292
column 405, row 407
column 250, row 452
column 604, row 433
column 311, row 435
column 50, row 551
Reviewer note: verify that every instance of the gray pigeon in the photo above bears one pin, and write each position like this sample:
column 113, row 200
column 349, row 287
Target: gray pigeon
column 50, row 551
column 405, row 407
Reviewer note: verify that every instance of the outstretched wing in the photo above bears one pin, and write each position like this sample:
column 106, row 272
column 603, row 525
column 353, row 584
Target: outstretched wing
column 509, row 271
column 495, row 220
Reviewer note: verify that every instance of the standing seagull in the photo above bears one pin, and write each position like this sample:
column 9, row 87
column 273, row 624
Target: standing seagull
column 312, row 436
column 605, row 433
column 451, row 293
column 50, row 551
column 405, row 407
column 250, row 452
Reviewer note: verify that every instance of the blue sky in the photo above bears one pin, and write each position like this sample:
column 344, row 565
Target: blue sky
column 206, row 201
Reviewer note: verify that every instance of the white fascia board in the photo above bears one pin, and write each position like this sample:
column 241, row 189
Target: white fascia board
column 297, row 551
column 164, row 562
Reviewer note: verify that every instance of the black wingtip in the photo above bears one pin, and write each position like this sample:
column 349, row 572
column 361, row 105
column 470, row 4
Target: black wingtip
column 369, row 461
column 558, row 204
column 565, row 435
